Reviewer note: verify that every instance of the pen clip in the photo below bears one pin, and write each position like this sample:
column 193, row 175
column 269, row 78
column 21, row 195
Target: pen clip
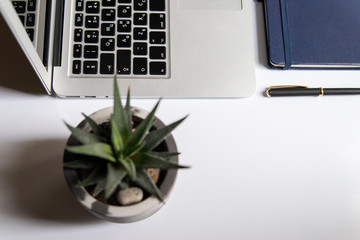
column 268, row 91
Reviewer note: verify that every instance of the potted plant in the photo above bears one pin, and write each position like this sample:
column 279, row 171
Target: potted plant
column 121, row 162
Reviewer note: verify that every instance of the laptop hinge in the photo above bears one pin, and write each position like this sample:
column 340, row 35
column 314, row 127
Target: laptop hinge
column 45, row 56
column 59, row 19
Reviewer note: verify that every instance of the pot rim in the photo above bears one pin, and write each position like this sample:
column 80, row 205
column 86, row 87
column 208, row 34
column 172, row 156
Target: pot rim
column 121, row 214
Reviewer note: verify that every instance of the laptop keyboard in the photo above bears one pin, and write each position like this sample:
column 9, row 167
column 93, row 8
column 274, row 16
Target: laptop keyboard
column 27, row 14
column 129, row 37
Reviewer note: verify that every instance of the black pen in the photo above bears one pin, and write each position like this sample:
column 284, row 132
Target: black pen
column 290, row 91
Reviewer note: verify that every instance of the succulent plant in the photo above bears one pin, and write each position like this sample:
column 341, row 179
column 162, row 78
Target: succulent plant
column 122, row 155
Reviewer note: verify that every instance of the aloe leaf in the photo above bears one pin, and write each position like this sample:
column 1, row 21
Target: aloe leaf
column 138, row 136
column 101, row 150
column 116, row 139
column 84, row 137
column 166, row 155
column 100, row 186
column 119, row 112
column 144, row 181
column 94, row 126
column 124, row 183
column 80, row 164
column 95, row 176
column 129, row 166
column 128, row 110
column 114, row 177
column 133, row 151
column 148, row 160
column 154, row 138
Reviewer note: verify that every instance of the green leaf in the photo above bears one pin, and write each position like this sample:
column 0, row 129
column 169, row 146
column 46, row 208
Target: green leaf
column 114, row 176
column 144, row 181
column 101, row 150
column 84, row 137
column 119, row 113
column 116, row 139
column 128, row 110
column 94, row 177
column 138, row 136
column 166, row 155
column 129, row 166
column 149, row 160
column 124, row 183
column 80, row 164
column 94, row 126
column 154, row 138
column 100, row 186
column 133, row 151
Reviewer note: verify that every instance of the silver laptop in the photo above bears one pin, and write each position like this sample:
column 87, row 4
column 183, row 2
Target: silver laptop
column 160, row 48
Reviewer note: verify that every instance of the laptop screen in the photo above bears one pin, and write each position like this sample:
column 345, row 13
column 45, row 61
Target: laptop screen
column 24, row 24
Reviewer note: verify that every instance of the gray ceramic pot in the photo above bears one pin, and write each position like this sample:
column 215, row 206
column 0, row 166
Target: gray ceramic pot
column 121, row 214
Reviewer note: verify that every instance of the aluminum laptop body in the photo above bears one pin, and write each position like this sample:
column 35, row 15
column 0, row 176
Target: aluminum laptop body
column 209, row 51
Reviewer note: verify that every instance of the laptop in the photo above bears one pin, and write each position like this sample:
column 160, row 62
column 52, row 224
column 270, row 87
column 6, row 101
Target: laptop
column 160, row 48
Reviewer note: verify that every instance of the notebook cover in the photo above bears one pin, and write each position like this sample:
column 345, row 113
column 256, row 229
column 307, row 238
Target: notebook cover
column 321, row 33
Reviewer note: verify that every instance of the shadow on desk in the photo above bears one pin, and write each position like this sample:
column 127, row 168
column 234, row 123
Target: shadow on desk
column 16, row 72
column 36, row 188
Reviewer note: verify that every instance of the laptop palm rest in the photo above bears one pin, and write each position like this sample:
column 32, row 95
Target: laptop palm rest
column 229, row 5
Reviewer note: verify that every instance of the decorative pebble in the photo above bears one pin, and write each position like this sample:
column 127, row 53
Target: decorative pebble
column 130, row 195
column 154, row 173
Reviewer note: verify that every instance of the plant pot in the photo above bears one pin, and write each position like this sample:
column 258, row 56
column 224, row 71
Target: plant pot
column 121, row 214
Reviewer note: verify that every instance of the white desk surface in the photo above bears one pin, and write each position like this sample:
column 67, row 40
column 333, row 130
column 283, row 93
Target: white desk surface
column 262, row 169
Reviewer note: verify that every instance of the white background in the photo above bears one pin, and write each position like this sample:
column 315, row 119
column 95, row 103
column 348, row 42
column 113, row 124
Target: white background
column 262, row 169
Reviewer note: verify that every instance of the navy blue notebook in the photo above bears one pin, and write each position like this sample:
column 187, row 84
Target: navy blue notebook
column 313, row 33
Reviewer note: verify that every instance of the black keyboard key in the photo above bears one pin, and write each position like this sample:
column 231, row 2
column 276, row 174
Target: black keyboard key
column 90, row 67
column 140, row 34
column 19, row 6
column 124, row 1
column 124, row 26
column 140, row 66
column 108, row 29
column 124, row 40
column 79, row 5
column 79, row 19
column 93, row 7
column 157, row 53
column 140, row 19
column 108, row 3
column 157, row 37
column 107, row 63
column 92, row 21
column 30, row 20
column 77, row 52
column 22, row 19
column 124, row 62
column 140, row 48
column 78, row 34
column 76, row 67
column 31, row 5
column 91, row 52
column 140, row 5
column 124, row 11
column 108, row 15
column 157, row 21
column 30, row 33
column 157, row 5
column 91, row 36
column 157, row 68
column 107, row 44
